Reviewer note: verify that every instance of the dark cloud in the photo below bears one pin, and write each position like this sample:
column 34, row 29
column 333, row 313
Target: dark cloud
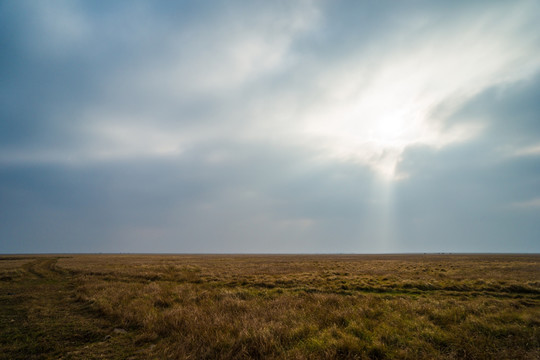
column 467, row 196
column 460, row 200
column 509, row 112
column 192, row 203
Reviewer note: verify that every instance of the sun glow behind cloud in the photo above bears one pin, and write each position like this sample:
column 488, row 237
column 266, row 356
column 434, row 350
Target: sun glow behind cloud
column 373, row 110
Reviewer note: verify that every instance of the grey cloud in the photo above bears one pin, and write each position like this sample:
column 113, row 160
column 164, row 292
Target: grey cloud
column 461, row 202
column 260, row 200
column 462, row 196
column 129, row 63
column 509, row 112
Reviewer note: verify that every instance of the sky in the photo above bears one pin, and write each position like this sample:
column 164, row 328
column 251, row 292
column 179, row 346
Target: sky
column 269, row 126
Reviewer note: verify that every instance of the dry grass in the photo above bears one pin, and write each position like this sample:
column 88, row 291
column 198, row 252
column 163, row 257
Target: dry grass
column 280, row 306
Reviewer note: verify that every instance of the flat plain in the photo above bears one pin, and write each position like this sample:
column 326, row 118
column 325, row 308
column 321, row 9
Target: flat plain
column 423, row 306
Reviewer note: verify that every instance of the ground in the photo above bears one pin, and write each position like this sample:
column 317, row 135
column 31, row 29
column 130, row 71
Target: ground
column 269, row 306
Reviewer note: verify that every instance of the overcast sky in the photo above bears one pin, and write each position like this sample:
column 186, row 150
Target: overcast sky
column 269, row 126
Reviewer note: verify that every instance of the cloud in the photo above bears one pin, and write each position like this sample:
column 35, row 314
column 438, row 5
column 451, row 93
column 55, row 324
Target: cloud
column 379, row 97
column 137, row 68
column 529, row 204
column 268, row 126
column 533, row 150
column 468, row 195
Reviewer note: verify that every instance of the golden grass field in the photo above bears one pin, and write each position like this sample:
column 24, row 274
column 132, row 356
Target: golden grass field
column 270, row 307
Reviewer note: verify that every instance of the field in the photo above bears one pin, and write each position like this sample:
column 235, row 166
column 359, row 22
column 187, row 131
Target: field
column 270, row 307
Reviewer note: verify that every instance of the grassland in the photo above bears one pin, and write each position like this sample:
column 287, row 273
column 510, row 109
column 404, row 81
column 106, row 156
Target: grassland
column 270, row 306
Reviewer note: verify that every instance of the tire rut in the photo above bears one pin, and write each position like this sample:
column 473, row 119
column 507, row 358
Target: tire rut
column 41, row 319
column 44, row 268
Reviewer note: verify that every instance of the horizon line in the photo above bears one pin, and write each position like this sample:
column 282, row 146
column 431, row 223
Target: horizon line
column 271, row 253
